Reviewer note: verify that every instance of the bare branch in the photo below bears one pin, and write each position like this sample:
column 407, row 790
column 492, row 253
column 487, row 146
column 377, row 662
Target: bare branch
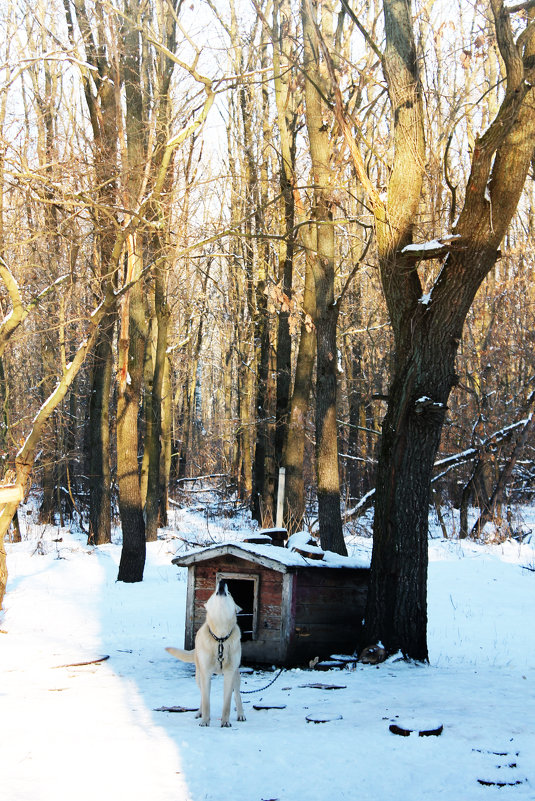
column 341, row 118
column 355, row 268
column 19, row 311
column 362, row 29
column 509, row 51
column 519, row 7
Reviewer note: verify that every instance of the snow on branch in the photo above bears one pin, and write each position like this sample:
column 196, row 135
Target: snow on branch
column 446, row 464
column 434, row 249
column 365, row 502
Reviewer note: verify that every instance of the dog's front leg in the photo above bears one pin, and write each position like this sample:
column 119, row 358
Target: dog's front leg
column 204, row 682
column 228, row 686
column 237, row 696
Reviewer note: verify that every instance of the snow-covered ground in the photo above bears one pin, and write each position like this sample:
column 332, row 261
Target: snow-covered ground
column 76, row 733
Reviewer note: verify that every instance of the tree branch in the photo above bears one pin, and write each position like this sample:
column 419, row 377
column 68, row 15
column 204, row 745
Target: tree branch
column 19, row 312
column 355, row 268
column 519, row 7
column 362, row 29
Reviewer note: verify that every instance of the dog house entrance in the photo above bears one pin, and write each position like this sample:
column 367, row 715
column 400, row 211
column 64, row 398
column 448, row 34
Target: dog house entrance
column 244, row 590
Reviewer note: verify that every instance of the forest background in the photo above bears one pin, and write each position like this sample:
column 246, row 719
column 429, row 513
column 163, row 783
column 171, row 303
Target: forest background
column 235, row 238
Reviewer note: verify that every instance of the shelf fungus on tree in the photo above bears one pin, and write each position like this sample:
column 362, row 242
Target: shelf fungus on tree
column 426, row 405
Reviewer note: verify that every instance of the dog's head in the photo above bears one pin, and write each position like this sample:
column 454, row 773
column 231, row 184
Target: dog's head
column 222, row 589
column 221, row 603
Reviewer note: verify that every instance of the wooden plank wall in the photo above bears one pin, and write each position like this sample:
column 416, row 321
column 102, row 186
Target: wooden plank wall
column 328, row 609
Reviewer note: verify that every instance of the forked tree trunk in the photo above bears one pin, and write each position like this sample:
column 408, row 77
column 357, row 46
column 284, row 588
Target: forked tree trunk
column 427, row 334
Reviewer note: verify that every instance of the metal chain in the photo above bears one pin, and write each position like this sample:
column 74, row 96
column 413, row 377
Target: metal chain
column 220, row 643
column 248, row 692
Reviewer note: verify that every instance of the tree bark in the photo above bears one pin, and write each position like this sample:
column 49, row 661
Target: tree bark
column 131, row 360
column 133, row 334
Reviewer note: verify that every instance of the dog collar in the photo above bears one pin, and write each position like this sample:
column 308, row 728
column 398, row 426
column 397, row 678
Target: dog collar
column 220, row 644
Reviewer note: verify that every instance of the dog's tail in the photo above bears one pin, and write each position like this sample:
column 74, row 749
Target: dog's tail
column 185, row 656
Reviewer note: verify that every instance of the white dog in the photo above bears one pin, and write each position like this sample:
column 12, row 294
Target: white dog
column 217, row 650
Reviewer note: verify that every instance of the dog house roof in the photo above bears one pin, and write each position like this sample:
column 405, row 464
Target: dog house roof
column 270, row 556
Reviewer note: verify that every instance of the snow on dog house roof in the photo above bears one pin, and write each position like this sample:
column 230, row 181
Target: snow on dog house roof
column 271, row 556
column 293, row 608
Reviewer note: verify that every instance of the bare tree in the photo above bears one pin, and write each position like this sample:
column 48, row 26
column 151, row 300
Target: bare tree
column 427, row 328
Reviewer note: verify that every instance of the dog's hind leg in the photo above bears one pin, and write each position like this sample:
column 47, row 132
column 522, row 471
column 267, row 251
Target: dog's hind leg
column 237, row 696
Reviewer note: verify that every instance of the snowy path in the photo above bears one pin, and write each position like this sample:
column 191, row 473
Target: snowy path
column 83, row 732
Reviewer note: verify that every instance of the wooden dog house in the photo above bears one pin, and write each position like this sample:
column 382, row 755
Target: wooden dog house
column 293, row 608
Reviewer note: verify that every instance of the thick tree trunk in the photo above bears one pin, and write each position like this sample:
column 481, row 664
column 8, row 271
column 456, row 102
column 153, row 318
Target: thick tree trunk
column 130, row 506
column 327, row 467
column 397, row 600
column 132, row 341
column 159, row 456
column 133, row 334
